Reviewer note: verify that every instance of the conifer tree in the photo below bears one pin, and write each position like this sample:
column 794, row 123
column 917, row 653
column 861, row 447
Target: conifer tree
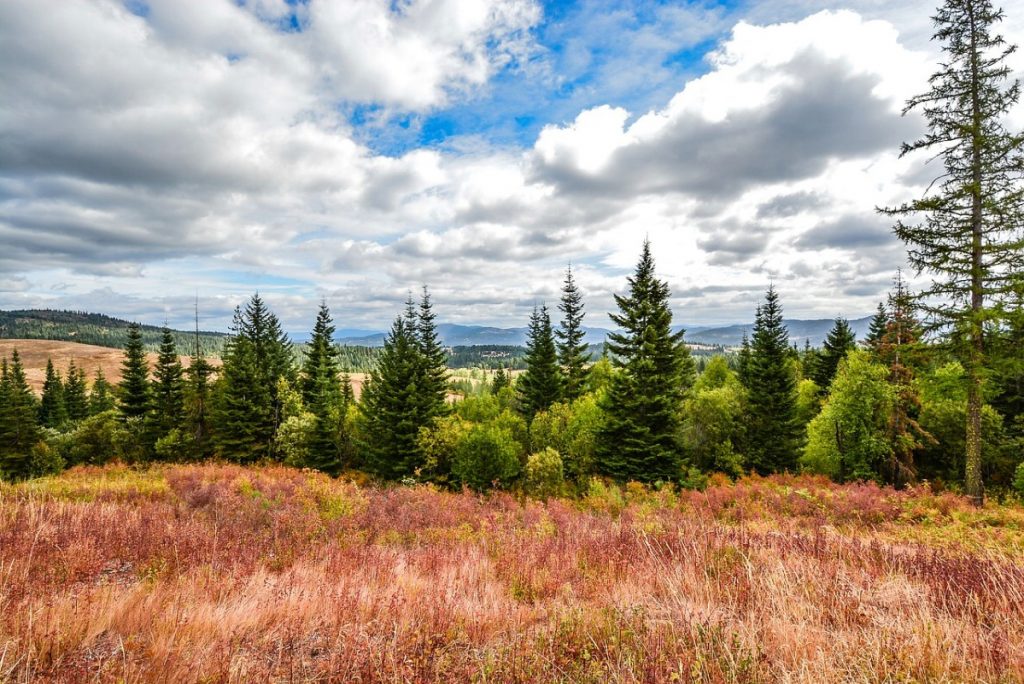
column 52, row 410
column 101, row 396
column 322, row 393
column 1009, row 364
column 540, row 385
column 434, row 385
column 638, row 440
column 348, row 395
column 838, row 342
column 743, row 358
column 501, row 380
column 971, row 217
column 573, row 356
column 773, row 430
column 19, row 430
column 877, row 327
column 76, row 397
column 197, row 397
column 392, row 406
column 168, row 389
column 134, row 386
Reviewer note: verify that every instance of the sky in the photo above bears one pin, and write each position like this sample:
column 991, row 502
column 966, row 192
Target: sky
column 157, row 151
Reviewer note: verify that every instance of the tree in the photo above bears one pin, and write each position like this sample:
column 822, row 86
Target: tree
column 197, row 399
column 134, row 386
column 485, row 456
column 434, row 385
column 968, row 235
column 877, row 327
column 167, row 390
column 849, row 439
column 322, row 394
column 573, row 356
column 501, row 380
column 101, row 396
column 247, row 408
column 391, row 406
column 541, row 384
column 639, row 438
column 838, row 342
column 713, row 427
column 772, row 431
column 76, row 398
column 52, row 411
column 19, row 430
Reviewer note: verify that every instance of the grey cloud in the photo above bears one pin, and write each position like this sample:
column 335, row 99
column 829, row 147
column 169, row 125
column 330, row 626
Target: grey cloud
column 792, row 204
column 849, row 232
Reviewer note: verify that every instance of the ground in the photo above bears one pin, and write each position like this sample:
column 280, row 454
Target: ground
column 220, row 573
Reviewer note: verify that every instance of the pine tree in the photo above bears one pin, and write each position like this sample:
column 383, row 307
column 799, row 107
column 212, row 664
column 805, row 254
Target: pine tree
column 638, row 440
column 322, row 393
column 838, row 342
column 573, row 356
column 392, row 406
column 76, row 397
column 540, row 385
column 168, row 389
column 197, row 397
column 1009, row 364
column 773, row 431
column 969, row 235
column 501, row 380
column 743, row 358
column 876, row 328
column 134, row 386
column 101, row 396
column 19, row 430
column 52, row 411
column 434, row 385
column 247, row 409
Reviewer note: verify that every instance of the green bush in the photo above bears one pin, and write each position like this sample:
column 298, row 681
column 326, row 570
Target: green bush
column 544, row 476
column 486, row 455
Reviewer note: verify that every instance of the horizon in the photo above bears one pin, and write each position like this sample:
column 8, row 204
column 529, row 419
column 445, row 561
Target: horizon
column 179, row 150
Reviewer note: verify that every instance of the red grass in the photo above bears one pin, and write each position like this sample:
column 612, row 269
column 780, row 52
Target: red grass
column 221, row 573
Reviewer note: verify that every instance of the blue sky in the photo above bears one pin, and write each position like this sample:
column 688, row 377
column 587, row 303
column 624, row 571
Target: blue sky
column 352, row 150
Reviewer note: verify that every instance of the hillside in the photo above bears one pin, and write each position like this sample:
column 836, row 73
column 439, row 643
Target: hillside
column 95, row 329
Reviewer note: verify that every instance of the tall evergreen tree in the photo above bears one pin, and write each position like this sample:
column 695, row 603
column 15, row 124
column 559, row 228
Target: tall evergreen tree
column 434, row 385
column 969, row 234
column 52, row 411
column 320, row 383
column 101, row 395
column 638, row 440
column 392, row 406
column 19, row 430
column 838, row 342
column 501, row 380
column 198, row 397
column 247, row 409
column 134, row 386
column 1009, row 364
column 540, row 385
column 168, row 389
column 573, row 356
column 773, row 430
column 76, row 396
column 877, row 327
column 743, row 358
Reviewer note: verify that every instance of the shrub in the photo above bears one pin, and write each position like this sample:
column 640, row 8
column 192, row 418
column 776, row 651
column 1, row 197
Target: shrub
column 1018, row 479
column 544, row 474
column 486, row 455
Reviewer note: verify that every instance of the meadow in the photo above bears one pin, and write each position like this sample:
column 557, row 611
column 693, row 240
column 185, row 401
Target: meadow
column 220, row 573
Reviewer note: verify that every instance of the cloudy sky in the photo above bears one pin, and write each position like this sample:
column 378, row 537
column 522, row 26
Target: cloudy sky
column 351, row 150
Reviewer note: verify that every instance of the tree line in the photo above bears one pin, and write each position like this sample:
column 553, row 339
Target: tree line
column 935, row 392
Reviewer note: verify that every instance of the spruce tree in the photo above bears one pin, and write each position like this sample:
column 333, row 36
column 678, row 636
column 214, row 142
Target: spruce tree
column 392, row 406
column 168, row 389
column 434, row 385
column 76, row 397
column 321, row 388
column 877, row 327
column 52, row 411
column 573, row 356
column 198, row 398
column 1008, row 341
column 638, row 440
column 19, row 429
column 101, row 395
column 540, row 385
column 500, row 381
column 743, row 358
column 134, row 386
column 772, row 428
column 838, row 342
column 970, row 219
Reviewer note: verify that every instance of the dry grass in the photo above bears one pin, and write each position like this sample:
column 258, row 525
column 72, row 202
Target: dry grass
column 219, row 573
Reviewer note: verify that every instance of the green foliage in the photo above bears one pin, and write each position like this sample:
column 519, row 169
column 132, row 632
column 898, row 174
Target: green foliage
column 320, row 382
column 849, row 439
column 541, row 384
column 877, row 328
column 501, row 380
column 19, row 430
column 838, row 342
column 102, row 438
column 638, row 440
column 543, row 476
column 167, row 391
column 573, row 354
column 438, row 443
column 487, row 455
column 571, row 430
column 134, row 386
column 771, row 386
column 101, row 395
column 713, row 423
column 52, row 411
column 1018, row 479
column 76, row 397
column 808, row 402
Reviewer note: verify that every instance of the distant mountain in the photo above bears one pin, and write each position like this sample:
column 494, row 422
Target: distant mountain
column 454, row 335
column 799, row 331
column 96, row 329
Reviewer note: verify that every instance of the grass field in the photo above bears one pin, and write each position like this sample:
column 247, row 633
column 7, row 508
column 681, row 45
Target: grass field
column 219, row 573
